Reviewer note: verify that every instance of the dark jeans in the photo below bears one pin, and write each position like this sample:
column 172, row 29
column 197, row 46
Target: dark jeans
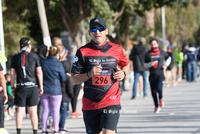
column 1, row 112
column 156, row 83
column 63, row 114
column 76, row 89
column 184, row 69
column 191, row 70
column 39, row 112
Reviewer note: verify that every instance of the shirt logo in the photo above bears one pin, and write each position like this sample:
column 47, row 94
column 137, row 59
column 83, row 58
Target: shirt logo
column 75, row 59
column 96, row 20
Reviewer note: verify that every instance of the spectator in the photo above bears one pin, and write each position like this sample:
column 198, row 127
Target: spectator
column 184, row 66
column 42, row 54
column 137, row 64
column 54, row 74
column 56, row 41
column 27, row 67
column 191, row 58
column 179, row 61
column 77, row 87
column 170, row 68
column 3, row 100
column 71, row 54
column 67, row 90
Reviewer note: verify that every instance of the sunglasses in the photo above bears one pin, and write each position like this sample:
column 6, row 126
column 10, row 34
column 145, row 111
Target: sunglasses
column 94, row 29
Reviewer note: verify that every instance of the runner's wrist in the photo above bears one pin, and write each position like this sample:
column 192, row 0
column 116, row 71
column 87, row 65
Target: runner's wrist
column 88, row 75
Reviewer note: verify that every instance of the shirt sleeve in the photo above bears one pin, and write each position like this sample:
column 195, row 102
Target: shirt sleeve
column 78, row 63
column 37, row 60
column 62, row 73
column 166, row 55
column 147, row 57
column 13, row 62
column 131, row 55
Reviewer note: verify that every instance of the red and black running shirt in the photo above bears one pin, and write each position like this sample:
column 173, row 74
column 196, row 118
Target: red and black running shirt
column 158, row 57
column 100, row 91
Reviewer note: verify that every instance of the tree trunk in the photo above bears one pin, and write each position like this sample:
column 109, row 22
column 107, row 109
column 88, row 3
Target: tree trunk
column 76, row 40
column 150, row 23
column 126, row 43
column 72, row 26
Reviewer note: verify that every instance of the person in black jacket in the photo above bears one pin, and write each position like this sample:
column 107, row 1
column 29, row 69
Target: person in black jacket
column 137, row 63
column 67, row 89
column 77, row 87
column 67, row 94
column 42, row 54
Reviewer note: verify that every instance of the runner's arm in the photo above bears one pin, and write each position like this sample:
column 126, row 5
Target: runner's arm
column 40, row 79
column 78, row 78
column 12, row 76
column 3, row 84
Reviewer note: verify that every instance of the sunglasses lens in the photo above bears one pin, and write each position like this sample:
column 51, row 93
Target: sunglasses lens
column 97, row 28
column 100, row 29
column 94, row 29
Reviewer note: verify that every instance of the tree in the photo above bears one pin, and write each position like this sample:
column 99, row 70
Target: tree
column 14, row 28
column 181, row 23
column 67, row 15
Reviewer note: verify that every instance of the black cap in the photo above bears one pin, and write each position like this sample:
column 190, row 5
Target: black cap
column 97, row 20
column 24, row 42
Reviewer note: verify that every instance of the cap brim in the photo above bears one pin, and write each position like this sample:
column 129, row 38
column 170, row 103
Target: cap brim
column 97, row 23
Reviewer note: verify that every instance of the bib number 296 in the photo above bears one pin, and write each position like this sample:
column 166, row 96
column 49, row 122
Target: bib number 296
column 101, row 80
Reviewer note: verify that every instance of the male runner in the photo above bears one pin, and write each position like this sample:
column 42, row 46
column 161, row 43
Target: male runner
column 100, row 64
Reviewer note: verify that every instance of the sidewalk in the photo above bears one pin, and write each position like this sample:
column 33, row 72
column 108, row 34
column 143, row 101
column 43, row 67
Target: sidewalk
column 181, row 114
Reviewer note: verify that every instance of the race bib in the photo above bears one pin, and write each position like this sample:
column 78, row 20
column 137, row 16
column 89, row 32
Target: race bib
column 101, row 80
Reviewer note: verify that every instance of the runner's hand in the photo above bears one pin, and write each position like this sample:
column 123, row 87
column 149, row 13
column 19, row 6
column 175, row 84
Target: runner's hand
column 13, row 91
column 152, row 63
column 96, row 70
column 119, row 75
column 5, row 96
column 40, row 91
column 164, row 67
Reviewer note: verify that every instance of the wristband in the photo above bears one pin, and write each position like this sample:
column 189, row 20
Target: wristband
column 124, row 73
column 88, row 75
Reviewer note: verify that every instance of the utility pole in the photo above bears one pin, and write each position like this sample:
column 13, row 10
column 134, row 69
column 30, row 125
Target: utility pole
column 163, row 25
column 2, row 48
column 44, row 24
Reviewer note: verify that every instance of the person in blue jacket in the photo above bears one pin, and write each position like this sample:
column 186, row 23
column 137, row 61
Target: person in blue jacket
column 53, row 75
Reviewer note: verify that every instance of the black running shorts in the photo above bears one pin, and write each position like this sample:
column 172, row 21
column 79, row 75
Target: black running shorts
column 106, row 118
column 26, row 96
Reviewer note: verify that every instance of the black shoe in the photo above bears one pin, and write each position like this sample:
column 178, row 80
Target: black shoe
column 44, row 132
column 62, row 131
column 39, row 126
column 133, row 97
column 56, row 132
